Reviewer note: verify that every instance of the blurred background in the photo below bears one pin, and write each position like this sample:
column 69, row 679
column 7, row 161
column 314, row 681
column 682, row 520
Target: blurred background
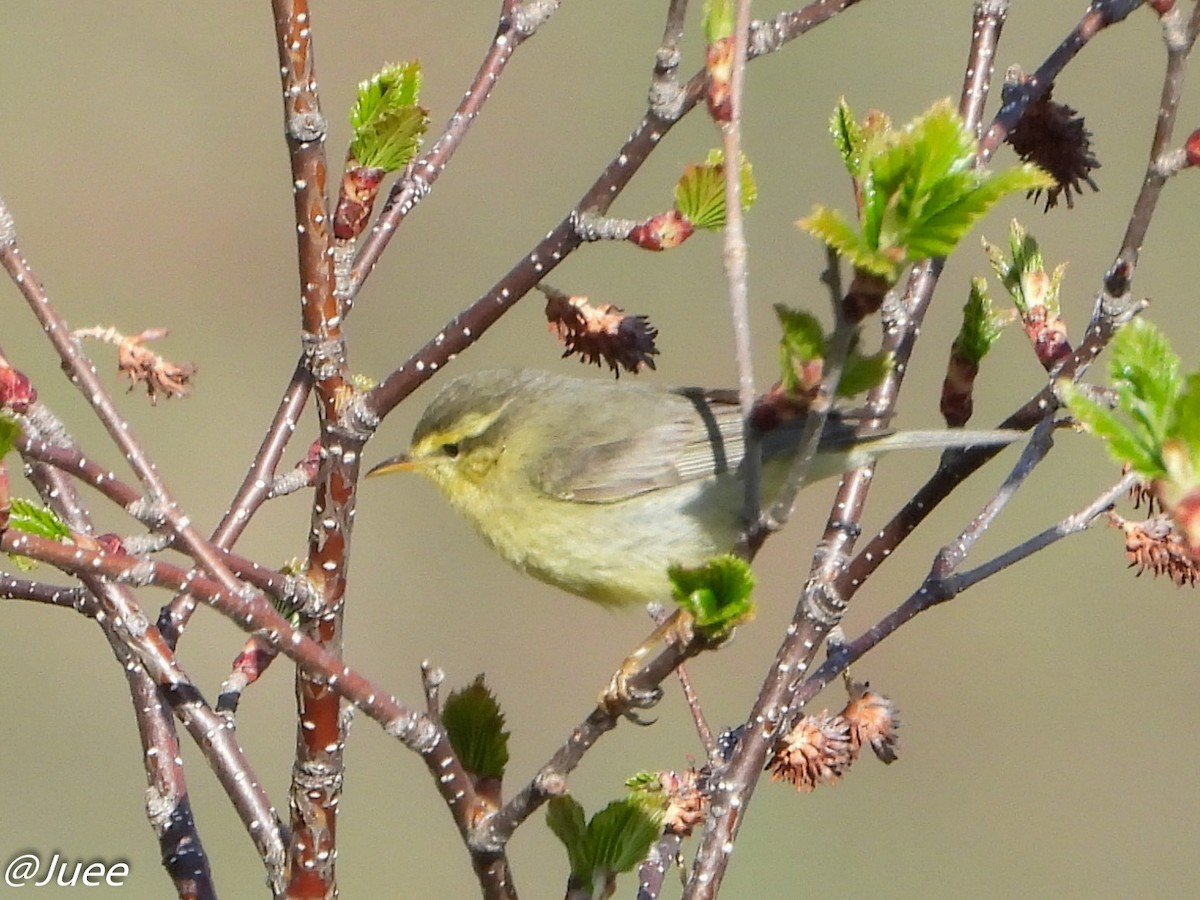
column 142, row 154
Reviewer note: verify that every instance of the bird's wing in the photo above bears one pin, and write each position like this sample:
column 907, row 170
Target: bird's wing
column 695, row 434
column 700, row 437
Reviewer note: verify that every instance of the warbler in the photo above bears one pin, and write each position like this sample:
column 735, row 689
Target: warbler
column 597, row 486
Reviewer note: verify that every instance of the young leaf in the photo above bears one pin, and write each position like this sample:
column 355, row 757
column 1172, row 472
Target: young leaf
column 847, row 137
column 862, row 372
column 700, row 191
column 564, row 816
column 475, row 726
column 622, row 834
column 1125, row 444
column 36, row 519
column 1187, row 419
column 1145, row 372
column 1155, row 425
column 615, row 839
column 386, row 119
column 717, row 594
column 919, row 190
column 981, row 326
column 831, row 227
column 719, row 19
column 9, row 432
column 802, row 336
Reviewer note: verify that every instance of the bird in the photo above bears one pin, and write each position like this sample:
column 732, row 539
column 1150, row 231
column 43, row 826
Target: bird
column 598, row 486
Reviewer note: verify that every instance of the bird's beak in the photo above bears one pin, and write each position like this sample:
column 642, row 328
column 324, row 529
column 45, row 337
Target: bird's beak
column 401, row 463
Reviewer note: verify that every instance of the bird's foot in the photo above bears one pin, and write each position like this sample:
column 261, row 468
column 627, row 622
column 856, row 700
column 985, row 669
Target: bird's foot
column 624, row 698
column 624, row 695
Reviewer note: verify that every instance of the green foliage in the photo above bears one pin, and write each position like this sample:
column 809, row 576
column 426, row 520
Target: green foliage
column 720, row 19
column 717, row 594
column 802, row 342
column 386, row 118
column 848, row 137
column 862, row 372
column 919, row 190
column 9, row 432
column 982, row 325
column 700, row 191
column 33, row 518
column 615, row 840
column 646, row 789
column 1155, row 427
column 474, row 724
column 1023, row 271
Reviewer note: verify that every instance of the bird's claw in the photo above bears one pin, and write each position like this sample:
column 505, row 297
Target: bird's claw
column 623, row 698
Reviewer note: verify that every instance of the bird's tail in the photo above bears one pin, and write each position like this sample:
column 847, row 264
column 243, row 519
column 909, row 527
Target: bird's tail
column 864, row 451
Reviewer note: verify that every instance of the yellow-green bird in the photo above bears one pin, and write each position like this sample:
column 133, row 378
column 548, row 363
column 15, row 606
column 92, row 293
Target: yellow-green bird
column 597, row 486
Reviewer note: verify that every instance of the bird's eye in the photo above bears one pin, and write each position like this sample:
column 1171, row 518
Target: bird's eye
column 451, row 450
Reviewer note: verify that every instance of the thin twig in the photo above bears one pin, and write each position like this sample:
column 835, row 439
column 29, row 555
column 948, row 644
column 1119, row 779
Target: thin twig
column 420, row 176
column 735, row 259
column 1178, row 40
column 820, row 608
column 465, row 328
column 666, row 95
column 253, row 492
column 168, row 804
column 937, row 591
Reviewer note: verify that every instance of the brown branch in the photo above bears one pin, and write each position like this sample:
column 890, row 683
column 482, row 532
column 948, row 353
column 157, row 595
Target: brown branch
column 168, row 804
column 319, row 770
column 469, row 325
column 940, row 588
column 514, row 30
column 820, row 607
column 254, row 615
column 494, row 832
column 73, row 597
column 1094, row 21
column 735, row 261
column 255, row 489
column 1179, row 39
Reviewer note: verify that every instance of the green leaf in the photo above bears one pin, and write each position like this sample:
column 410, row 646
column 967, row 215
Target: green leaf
column 1023, row 272
column 1155, row 427
column 564, row 815
column 388, row 123
column 1187, row 419
column 9, row 432
column 34, row 518
column 981, row 326
column 1145, row 372
column 700, row 191
column 944, row 225
column 1125, row 444
column 646, row 789
column 800, row 333
column 832, row 228
column 615, row 840
column 717, row 594
column 475, row 726
column 919, row 190
column 862, row 372
column 847, row 137
column 622, row 834
column 393, row 141
column 393, row 87
column 720, row 20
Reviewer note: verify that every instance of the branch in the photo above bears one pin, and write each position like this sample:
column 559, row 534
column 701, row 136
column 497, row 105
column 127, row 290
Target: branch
column 938, row 589
column 514, row 29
